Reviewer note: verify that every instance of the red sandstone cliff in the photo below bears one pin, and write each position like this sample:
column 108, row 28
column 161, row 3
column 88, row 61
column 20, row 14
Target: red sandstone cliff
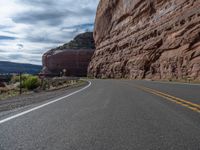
column 74, row 57
column 157, row 39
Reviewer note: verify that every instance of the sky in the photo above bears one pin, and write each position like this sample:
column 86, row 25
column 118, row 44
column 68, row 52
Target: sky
column 29, row 28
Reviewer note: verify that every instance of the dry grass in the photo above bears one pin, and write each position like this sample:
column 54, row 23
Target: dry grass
column 55, row 84
column 50, row 84
column 7, row 92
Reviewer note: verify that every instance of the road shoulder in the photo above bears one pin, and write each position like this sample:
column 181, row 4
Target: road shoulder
column 35, row 98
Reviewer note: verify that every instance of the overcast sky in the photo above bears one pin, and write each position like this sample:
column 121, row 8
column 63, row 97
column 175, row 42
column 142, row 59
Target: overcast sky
column 28, row 28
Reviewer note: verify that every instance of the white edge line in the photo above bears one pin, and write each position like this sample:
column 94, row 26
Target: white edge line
column 43, row 105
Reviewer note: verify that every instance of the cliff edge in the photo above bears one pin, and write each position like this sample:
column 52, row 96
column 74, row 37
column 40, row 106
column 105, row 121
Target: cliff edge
column 154, row 39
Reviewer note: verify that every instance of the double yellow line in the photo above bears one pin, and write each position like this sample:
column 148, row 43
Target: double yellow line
column 190, row 105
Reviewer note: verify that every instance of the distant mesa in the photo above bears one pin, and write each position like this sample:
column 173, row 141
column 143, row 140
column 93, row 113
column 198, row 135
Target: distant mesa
column 73, row 58
column 11, row 67
column 154, row 39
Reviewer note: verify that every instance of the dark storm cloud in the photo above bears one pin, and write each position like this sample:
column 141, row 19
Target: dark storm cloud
column 2, row 37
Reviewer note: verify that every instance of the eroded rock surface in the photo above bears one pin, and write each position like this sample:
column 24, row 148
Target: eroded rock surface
column 74, row 57
column 156, row 39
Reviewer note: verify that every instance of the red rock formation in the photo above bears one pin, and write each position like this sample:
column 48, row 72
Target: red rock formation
column 73, row 56
column 156, row 39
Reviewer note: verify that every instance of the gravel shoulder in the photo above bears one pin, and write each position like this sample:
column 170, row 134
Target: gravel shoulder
column 34, row 98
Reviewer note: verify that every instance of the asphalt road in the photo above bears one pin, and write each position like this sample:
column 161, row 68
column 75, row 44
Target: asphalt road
column 107, row 115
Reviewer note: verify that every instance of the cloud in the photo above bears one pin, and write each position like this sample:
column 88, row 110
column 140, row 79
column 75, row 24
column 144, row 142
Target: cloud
column 51, row 18
column 35, row 26
column 2, row 37
column 2, row 51
column 15, row 56
column 52, row 12
column 43, row 3
column 20, row 46
column 10, row 32
column 87, row 26
column 4, row 27
column 42, row 39
column 21, row 57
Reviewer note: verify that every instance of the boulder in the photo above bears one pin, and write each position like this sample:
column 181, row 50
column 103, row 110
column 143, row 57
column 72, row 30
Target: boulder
column 153, row 39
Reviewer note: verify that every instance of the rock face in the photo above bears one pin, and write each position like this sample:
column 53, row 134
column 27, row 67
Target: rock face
column 74, row 57
column 155, row 39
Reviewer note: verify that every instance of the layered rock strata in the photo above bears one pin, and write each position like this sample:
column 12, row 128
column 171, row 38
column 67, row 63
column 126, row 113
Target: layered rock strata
column 72, row 58
column 156, row 39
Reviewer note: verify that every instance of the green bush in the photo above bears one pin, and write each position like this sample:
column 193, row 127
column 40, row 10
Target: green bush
column 16, row 78
column 31, row 82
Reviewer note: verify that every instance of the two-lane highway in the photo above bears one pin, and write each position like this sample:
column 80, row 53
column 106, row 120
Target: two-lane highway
column 108, row 115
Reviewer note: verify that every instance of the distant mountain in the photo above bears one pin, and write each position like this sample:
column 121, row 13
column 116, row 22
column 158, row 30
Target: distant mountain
column 10, row 67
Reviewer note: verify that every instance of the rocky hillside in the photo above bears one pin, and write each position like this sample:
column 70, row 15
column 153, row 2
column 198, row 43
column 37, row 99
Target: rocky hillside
column 156, row 39
column 73, row 57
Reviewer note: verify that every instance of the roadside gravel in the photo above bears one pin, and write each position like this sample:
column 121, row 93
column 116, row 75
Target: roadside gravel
column 33, row 98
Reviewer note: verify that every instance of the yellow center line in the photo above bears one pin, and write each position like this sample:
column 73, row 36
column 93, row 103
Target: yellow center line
column 185, row 103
